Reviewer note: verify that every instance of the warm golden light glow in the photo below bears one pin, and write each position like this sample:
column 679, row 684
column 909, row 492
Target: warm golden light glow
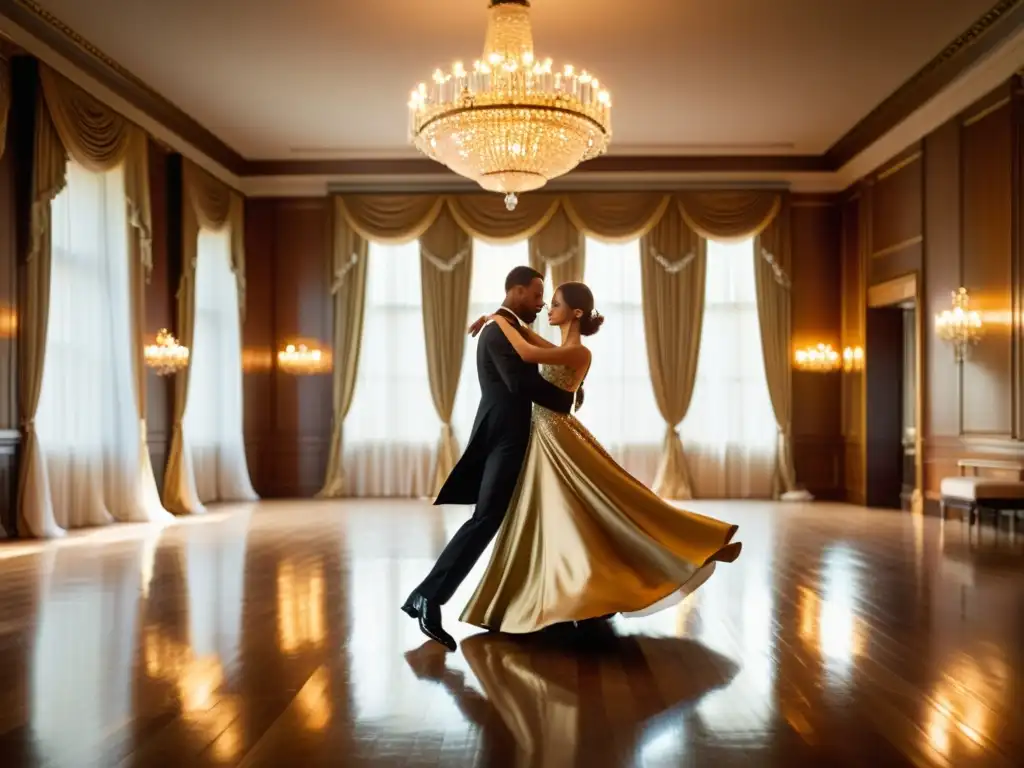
column 257, row 359
column 960, row 326
column 817, row 359
column 959, row 711
column 198, row 681
column 300, row 605
column 853, row 359
column 511, row 122
column 313, row 700
column 167, row 356
column 302, row 360
column 8, row 322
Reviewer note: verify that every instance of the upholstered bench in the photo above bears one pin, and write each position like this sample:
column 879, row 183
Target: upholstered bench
column 975, row 493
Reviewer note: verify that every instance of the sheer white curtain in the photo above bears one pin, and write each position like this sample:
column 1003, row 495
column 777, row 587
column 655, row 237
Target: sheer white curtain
column 213, row 414
column 491, row 265
column 729, row 433
column 391, row 429
column 619, row 406
column 88, row 422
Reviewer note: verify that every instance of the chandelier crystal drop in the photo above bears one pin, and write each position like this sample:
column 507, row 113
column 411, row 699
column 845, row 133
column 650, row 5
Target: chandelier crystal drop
column 510, row 122
column 167, row 356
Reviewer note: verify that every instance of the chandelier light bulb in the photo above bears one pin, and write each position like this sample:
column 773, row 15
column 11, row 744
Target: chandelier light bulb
column 511, row 124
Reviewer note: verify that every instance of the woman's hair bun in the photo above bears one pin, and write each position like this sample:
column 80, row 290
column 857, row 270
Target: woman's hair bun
column 589, row 325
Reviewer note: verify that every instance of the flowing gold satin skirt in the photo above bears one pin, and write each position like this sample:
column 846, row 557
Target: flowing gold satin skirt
column 583, row 538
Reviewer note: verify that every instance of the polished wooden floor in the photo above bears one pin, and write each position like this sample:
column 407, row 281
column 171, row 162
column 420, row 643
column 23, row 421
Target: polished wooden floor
column 270, row 635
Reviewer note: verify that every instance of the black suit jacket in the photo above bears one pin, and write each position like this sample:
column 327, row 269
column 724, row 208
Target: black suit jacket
column 508, row 388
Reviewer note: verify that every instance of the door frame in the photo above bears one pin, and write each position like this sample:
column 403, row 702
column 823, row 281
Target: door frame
column 892, row 293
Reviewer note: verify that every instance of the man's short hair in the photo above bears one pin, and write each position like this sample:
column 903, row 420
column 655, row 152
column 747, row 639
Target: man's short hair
column 521, row 276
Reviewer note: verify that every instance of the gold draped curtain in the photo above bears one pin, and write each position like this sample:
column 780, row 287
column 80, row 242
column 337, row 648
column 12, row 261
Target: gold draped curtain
column 772, row 282
column 672, row 228
column 72, row 125
column 209, row 204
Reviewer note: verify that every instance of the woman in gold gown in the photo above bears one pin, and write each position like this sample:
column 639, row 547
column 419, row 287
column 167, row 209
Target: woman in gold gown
column 583, row 538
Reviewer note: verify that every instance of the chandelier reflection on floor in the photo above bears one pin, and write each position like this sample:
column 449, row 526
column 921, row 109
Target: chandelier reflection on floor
column 510, row 123
column 167, row 356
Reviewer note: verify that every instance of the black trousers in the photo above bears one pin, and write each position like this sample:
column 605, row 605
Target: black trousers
column 497, row 484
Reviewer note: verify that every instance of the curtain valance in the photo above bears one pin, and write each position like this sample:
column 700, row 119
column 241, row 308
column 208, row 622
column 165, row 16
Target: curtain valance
column 609, row 216
column 96, row 137
column 209, row 203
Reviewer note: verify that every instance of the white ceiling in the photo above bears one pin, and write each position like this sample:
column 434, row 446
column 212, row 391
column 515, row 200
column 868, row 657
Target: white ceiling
column 306, row 79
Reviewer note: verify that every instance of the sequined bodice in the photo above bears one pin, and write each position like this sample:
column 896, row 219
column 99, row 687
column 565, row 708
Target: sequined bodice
column 560, row 375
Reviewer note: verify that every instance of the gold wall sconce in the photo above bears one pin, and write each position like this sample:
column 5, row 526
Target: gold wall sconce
column 303, row 360
column 820, row 358
column 960, row 325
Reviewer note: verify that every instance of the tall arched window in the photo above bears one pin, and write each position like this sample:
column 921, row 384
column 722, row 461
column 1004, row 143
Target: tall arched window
column 391, row 429
column 729, row 433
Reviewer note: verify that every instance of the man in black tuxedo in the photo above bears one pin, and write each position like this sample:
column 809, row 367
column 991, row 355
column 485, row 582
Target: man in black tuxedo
column 487, row 473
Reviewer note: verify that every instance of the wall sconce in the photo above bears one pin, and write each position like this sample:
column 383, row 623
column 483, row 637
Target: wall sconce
column 853, row 359
column 167, row 356
column 817, row 359
column 303, row 360
column 960, row 326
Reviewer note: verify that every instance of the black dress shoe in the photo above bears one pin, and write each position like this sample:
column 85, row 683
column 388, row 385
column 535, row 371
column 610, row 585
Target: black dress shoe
column 428, row 615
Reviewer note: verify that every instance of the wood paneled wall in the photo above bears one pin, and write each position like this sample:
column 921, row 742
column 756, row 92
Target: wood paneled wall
column 287, row 418
column 949, row 210
column 816, row 316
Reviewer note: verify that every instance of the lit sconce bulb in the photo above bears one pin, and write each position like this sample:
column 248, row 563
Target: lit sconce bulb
column 527, row 57
column 494, row 59
column 595, row 83
column 438, row 76
column 457, row 69
column 422, row 88
column 585, row 77
column 604, row 98
column 853, row 359
column 477, row 65
column 568, row 70
column 548, row 64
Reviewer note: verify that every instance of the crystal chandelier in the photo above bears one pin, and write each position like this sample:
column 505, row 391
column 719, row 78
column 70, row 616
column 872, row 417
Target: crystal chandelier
column 510, row 123
column 960, row 325
column 300, row 360
column 167, row 356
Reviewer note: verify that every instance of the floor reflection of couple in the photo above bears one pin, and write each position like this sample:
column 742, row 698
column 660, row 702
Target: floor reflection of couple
column 560, row 698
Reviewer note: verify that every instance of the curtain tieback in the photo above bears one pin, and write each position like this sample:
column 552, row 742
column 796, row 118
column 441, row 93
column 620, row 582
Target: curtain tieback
column 28, row 425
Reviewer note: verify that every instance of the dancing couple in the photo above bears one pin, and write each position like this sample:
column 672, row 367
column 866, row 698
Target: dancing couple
column 579, row 538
